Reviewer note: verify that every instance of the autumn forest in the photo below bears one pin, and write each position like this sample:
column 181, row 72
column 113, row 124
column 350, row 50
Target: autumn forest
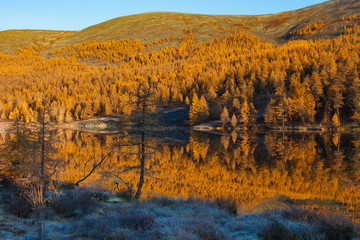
column 166, row 125
column 240, row 76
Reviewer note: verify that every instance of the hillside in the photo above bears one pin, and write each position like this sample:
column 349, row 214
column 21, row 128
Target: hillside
column 272, row 27
column 323, row 20
column 13, row 39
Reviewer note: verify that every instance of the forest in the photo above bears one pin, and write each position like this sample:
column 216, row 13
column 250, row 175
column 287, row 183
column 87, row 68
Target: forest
column 240, row 78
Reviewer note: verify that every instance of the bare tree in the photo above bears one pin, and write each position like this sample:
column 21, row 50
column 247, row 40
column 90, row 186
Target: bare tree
column 142, row 122
column 30, row 155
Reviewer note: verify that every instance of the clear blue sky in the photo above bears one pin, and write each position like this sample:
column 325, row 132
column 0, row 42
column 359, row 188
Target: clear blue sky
column 79, row 14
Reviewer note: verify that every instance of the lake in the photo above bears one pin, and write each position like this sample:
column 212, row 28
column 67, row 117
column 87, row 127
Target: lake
column 311, row 170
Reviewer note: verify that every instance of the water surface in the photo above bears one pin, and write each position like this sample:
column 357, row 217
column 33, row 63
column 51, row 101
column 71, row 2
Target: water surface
column 313, row 170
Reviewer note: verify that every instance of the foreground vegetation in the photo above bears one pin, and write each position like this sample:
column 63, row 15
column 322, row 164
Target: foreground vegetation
column 89, row 214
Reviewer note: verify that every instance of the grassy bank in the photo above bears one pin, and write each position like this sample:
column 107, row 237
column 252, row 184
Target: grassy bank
column 91, row 214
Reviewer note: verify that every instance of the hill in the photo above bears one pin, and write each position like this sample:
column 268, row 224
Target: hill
column 13, row 39
column 324, row 20
column 272, row 27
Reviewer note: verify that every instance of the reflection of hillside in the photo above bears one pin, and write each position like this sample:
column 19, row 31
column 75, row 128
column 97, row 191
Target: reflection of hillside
column 300, row 167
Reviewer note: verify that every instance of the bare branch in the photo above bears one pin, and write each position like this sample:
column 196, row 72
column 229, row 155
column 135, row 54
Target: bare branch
column 93, row 169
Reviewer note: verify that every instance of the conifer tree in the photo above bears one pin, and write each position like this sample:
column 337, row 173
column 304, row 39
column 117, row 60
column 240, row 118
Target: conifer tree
column 194, row 110
column 187, row 101
column 236, row 106
column 225, row 115
column 269, row 115
column 203, row 110
column 245, row 114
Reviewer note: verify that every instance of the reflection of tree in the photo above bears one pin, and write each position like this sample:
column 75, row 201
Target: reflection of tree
column 30, row 155
column 245, row 171
column 133, row 152
column 97, row 163
column 144, row 94
column 225, row 141
column 247, row 146
column 142, row 121
column 199, row 147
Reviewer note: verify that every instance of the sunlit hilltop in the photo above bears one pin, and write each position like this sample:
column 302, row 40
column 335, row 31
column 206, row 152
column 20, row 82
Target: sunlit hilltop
column 323, row 20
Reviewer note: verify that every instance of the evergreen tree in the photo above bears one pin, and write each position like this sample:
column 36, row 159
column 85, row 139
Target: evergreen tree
column 236, row 106
column 245, row 114
column 199, row 110
column 225, row 115
column 203, row 110
column 269, row 116
column 194, row 110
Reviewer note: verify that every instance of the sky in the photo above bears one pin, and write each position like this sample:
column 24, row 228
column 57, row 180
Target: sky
column 79, row 14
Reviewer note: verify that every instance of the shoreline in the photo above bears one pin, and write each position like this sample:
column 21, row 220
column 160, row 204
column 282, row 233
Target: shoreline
column 113, row 125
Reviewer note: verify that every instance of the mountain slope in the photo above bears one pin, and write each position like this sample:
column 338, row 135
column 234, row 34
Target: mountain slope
column 13, row 39
column 323, row 20
column 272, row 27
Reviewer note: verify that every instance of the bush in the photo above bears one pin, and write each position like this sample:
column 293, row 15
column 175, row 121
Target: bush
column 115, row 226
column 18, row 206
column 14, row 202
column 163, row 201
column 276, row 231
column 95, row 227
column 74, row 203
column 227, row 204
column 66, row 186
column 315, row 226
column 331, row 226
column 137, row 220
column 204, row 229
column 337, row 228
column 124, row 193
column 302, row 215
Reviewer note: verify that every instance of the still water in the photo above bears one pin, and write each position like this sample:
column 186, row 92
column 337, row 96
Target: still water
column 312, row 170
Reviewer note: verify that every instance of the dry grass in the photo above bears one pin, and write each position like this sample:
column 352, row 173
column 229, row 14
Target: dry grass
column 11, row 40
column 148, row 27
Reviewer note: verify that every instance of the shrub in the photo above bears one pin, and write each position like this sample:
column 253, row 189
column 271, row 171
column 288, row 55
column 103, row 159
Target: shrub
column 337, row 228
column 331, row 226
column 124, row 193
column 14, row 202
column 111, row 226
column 204, row 229
column 301, row 215
column 227, row 204
column 163, row 201
column 137, row 220
column 74, row 203
column 66, row 186
column 276, row 231
column 94, row 227
column 315, row 226
column 101, row 195
column 18, row 206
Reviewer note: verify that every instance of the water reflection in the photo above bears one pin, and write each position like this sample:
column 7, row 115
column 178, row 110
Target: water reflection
column 316, row 170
